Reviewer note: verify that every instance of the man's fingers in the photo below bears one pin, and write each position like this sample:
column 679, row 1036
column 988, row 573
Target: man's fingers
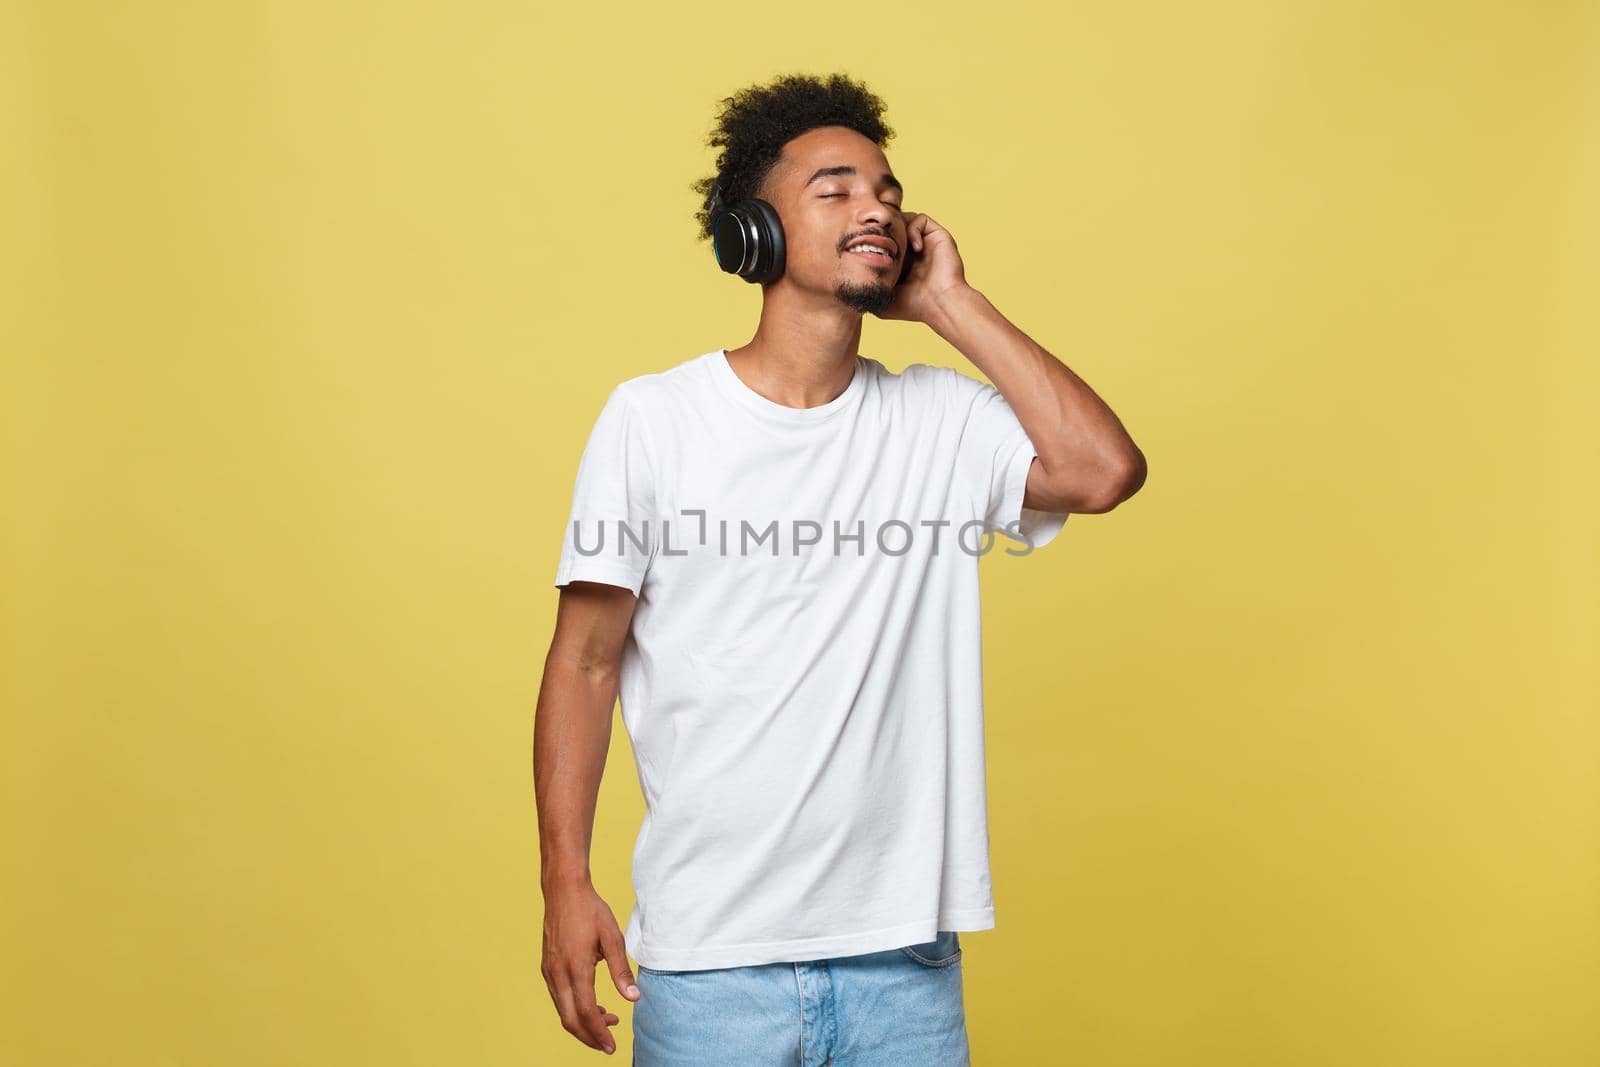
column 581, row 1021
column 925, row 225
column 590, row 1013
column 561, row 993
column 617, row 963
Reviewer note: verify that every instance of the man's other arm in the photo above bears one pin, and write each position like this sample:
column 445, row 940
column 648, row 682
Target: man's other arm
column 572, row 733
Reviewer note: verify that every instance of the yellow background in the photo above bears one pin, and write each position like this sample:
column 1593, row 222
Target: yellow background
column 309, row 307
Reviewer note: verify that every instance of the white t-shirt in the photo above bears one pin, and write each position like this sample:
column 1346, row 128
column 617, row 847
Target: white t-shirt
column 802, row 681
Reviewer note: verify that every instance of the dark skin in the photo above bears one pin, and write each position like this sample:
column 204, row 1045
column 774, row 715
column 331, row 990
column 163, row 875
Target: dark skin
column 571, row 735
column 831, row 187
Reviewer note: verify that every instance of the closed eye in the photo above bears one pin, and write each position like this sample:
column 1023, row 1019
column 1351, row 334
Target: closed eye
column 890, row 203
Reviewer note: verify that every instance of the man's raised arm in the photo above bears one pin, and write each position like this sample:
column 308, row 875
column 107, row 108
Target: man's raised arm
column 1086, row 462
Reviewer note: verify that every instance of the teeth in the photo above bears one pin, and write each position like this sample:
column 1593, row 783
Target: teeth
column 874, row 249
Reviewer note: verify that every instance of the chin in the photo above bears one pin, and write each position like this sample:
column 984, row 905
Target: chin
column 869, row 298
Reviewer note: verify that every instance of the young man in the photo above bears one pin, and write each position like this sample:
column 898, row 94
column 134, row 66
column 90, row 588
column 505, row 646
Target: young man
column 773, row 556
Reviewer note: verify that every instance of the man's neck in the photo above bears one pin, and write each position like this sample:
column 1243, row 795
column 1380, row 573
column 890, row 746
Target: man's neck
column 800, row 358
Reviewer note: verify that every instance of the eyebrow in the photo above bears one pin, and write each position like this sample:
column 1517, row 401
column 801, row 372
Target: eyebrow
column 826, row 172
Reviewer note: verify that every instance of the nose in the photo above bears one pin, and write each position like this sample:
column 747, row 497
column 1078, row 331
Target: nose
column 876, row 211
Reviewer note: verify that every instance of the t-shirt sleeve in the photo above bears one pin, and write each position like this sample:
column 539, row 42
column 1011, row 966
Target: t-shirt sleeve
column 994, row 456
column 612, row 531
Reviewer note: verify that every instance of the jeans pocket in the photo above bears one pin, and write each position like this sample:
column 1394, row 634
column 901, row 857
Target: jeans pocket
column 942, row 951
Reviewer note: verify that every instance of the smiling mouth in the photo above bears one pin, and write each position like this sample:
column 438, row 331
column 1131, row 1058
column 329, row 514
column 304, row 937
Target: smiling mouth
column 872, row 254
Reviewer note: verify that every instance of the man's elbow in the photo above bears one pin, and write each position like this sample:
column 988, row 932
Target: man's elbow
column 1118, row 484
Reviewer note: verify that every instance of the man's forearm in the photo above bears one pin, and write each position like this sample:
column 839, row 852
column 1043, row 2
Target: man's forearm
column 1087, row 456
column 571, row 735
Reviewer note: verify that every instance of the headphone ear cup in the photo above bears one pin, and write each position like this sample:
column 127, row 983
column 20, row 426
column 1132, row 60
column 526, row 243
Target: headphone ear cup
column 731, row 240
column 747, row 238
column 770, row 257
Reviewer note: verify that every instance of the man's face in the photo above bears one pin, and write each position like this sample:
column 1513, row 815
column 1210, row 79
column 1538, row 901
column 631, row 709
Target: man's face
column 833, row 187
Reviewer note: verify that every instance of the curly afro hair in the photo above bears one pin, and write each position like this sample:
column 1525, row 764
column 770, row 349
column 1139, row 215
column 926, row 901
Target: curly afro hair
column 756, row 122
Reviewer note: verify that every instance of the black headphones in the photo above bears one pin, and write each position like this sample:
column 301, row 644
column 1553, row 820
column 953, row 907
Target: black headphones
column 747, row 238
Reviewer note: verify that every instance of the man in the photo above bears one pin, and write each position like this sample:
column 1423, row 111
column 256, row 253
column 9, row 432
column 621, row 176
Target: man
column 773, row 556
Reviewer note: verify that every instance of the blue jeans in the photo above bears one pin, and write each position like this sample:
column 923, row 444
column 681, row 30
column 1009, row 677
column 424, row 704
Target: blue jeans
column 891, row 1008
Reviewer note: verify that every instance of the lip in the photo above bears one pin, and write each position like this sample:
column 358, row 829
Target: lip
column 883, row 243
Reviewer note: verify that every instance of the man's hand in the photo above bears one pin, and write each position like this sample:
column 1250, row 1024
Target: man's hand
column 580, row 931
column 932, row 268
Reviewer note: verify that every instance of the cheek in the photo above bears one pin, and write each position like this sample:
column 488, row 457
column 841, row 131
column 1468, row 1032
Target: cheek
column 818, row 254
column 813, row 240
